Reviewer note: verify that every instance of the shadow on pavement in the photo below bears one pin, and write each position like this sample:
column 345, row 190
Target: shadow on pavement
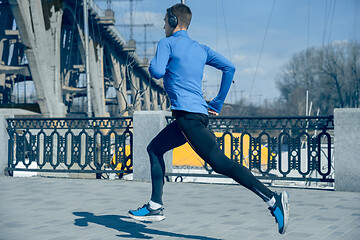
column 129, row 228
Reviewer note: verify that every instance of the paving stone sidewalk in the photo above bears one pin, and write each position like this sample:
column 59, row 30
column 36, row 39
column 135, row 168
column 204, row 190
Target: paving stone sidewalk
column 58, row 208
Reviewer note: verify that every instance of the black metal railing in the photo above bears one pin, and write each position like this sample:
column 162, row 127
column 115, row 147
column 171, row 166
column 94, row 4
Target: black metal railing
column 73, row 145
column 276, row 148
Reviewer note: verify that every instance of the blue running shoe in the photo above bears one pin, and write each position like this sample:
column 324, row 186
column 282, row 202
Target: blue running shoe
column 145, row 213
column 281, row 211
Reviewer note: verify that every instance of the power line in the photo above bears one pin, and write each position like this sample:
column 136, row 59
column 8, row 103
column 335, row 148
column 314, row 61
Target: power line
column 226, row 31
column 355, row 28
column 262, row 47
column 228, row 44
column 308, row 26
column 331, row 22
column 329, row 16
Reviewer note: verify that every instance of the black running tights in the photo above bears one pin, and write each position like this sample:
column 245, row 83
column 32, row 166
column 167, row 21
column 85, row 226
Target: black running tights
column 192, row 128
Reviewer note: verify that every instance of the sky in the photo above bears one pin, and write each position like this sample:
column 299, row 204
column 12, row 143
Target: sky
column 258, row 36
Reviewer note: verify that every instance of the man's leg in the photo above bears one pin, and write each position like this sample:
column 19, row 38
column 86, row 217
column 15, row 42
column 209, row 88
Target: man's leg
column 203, row 141
column 170, row 137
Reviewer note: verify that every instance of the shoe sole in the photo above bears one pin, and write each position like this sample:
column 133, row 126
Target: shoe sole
column 154, row 218
column 286, row 207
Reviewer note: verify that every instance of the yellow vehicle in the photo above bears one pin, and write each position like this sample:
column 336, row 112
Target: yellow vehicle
column 186, row 156
column 121, row 166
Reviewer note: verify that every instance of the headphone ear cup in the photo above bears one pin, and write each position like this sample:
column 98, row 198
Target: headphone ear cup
column 172, row 19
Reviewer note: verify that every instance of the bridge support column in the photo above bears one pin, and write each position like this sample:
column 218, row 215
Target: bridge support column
column 135, row 92
column 154, row 97
column 41, row 36
column 146, row 95
column 120, row 84
column 347, row 150
column 147, row 124
column 97, row 79
column 2, row 50
column 162, row 102
column 2, row 80
column 124, row 87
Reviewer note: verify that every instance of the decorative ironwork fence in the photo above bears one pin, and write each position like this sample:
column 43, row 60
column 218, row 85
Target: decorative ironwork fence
column 276, row 148
column 73, row 145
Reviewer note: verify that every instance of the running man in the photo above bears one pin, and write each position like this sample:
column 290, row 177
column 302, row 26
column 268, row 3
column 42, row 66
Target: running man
column 180, row 61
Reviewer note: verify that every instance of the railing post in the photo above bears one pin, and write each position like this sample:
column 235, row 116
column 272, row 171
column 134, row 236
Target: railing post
column 347, row 149
column 4, row 137
column 147, row 124
column 3, row 144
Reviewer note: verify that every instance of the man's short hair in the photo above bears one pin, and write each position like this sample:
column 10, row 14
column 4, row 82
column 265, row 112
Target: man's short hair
column 183, row 14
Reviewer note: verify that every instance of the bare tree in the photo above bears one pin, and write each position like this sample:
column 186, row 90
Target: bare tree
column 331, row 75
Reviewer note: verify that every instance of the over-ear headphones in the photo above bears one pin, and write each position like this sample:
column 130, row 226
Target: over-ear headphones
column 172, row 19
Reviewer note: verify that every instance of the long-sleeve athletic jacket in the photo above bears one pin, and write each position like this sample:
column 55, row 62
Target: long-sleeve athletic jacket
column 180, row 61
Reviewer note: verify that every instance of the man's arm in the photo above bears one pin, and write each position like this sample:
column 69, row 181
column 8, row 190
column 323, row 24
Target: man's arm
column 220, row 62
column 158, row 64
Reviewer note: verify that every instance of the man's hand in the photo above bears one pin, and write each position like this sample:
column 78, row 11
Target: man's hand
column 212, row 112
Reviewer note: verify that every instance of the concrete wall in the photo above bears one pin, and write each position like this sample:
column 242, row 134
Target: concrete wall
column 347, row 149
column 4, row 114
column 147, row 124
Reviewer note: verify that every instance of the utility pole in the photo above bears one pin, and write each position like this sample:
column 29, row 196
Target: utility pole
column 132, row 25
column 146, row 54
column 145, row 25
column 132, row 18
column 131, row 14
column 87, row 65
column 183, row 1
column 145, row 38
column 241, row 94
